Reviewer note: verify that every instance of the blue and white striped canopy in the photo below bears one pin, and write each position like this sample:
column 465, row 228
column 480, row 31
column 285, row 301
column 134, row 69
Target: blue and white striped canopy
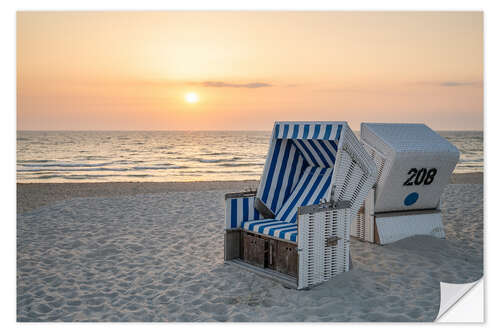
column 307, row 130
column 299, row 166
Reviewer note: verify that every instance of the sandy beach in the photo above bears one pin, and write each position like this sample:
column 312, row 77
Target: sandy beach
column 154, row 252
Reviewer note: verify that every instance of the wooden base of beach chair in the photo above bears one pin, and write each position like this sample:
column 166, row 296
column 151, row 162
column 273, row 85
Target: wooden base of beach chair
column 284, row 257
column 255, row 250
column 262, row 251
column 232, row 244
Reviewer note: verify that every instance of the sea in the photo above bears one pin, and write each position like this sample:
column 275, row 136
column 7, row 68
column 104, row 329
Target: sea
column 159, row 156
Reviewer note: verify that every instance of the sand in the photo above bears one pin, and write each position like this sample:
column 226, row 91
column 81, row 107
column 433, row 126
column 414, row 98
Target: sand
column 34, row 195
column 154, row 252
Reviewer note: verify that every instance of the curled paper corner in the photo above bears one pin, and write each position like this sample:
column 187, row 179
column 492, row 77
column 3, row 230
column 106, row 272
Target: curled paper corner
column 452, row 293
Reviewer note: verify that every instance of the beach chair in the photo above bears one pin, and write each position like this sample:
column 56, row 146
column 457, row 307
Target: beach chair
column 414, row 165
column 295, row 228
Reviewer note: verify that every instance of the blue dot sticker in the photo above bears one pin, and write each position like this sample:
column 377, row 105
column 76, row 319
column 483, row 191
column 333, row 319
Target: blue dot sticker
column 411, row 198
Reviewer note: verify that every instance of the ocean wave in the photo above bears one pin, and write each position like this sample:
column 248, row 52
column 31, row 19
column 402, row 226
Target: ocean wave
column 203, row 160
column 472, row 161
column 218, row 172
column 90, row 158
column 74, row 169
column 147, row 167
column 214, row 154
column 65, row 165
column 88, row 176
column 127, row 161
column 45, row 177
column 240, row 164
column 34, row 161
column 159, row 167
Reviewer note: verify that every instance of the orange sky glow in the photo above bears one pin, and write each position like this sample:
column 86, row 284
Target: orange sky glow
column 133, row 70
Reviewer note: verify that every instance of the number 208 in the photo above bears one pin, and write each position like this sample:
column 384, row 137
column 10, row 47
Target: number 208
column 418, row 177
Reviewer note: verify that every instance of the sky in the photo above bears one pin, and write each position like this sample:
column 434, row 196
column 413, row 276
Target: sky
column 240, row 70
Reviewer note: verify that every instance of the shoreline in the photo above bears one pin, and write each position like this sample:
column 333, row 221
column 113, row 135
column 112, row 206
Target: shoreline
column 34, row 195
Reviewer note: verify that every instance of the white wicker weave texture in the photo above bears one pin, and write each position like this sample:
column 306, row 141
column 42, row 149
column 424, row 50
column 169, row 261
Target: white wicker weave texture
column 415, row 164
column 319, row 262
column 355, row 173
column 363, row 225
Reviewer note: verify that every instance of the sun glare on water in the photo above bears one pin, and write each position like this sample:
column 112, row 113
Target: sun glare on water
column 191, row 98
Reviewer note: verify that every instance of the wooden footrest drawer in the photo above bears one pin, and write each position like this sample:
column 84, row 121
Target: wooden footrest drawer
column 287, row 259
column 254, row 250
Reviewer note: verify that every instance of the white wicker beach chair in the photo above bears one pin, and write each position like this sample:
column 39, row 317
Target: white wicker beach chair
column 414, row 165
column 295, row 227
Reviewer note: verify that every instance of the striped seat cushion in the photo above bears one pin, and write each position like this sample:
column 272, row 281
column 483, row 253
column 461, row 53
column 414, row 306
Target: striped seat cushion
column 313, row 186
column 278, row 229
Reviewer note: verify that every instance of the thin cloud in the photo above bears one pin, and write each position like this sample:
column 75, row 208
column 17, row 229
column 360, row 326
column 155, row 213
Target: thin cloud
column 348, row 90
column 459, row 83
column 334, row 90
column 452, row 83
column 221, row 84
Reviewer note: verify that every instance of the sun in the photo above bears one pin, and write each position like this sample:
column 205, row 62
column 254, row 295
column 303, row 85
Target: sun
column 191, row 97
